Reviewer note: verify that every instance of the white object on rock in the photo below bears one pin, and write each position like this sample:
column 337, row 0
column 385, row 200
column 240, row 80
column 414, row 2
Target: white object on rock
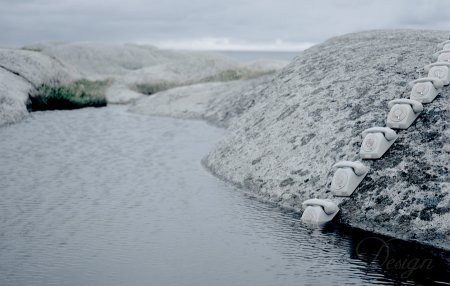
column 377, row 140
column 403, row 113
column 440, row 70
column 347, row 177
column 442, row 56
column 318, row 211
column 425, row 89
column 444, row 45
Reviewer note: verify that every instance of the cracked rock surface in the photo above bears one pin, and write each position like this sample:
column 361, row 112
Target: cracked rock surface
column 311, row 116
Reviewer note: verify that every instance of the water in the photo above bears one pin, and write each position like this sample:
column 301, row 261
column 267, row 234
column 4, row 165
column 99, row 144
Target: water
column 105, row 197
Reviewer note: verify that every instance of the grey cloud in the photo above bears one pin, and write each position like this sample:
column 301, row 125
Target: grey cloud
column 25, row 21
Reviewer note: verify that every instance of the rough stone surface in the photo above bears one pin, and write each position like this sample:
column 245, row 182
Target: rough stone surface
column 20, row 72
column 136, row 63
column 120, row 93
column 124, row 66
column 311, row 116
column 217, row 102
column 130, row 64
column 13, row 97
column 34, row 67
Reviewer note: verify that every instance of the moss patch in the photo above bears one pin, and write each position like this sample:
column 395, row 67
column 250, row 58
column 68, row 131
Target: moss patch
column 227, row 75
column 79, row 94
column 151, row 88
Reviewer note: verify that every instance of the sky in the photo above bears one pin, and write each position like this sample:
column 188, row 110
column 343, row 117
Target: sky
column 287, row 25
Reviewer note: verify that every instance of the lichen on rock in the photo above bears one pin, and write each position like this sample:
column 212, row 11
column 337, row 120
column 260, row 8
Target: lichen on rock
column 216, row 102
column 130, row 70
column 311, row 116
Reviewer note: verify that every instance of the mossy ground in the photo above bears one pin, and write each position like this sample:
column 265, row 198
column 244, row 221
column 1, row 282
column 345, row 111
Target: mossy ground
column 78, row 94
column 151, row 88
column 227, row 75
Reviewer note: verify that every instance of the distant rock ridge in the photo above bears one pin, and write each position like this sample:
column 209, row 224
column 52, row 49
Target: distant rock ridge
column 124, row 66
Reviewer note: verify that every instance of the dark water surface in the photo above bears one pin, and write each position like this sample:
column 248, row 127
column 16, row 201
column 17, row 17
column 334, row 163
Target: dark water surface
column 105, row 197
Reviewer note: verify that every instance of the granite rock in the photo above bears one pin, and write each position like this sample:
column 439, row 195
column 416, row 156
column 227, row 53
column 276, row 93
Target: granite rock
column 20, row 72
column 124, row 66
column 311, row 116
column 216, row 102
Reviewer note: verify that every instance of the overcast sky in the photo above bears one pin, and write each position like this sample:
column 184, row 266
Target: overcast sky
column 211, row 24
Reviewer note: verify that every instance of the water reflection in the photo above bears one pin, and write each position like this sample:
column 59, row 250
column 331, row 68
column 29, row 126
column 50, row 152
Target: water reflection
column 335, row 254
column 399, row 260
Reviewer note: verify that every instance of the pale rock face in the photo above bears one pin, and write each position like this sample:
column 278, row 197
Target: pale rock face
column 100, row 61
column 129, row 65
column 267, row 64
column 119, row 93
column 13, row 97
column 20, row 72
column 311, row 116
column 34, row 67
column 124, row 66
column 191, row 67
column 216, row 102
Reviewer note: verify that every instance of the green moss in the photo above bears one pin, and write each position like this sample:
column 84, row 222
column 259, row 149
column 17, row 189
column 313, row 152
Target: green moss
column 79, row 94
column 151, row 88
column 227, row 75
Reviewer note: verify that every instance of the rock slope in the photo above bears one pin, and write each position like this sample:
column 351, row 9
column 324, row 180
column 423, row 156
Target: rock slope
column 124, row 66
column 130, row 65
column 216, row 102
column 20, row 72
column 311, row 116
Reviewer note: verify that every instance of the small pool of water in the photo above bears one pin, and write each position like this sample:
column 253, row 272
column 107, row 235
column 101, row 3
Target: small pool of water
column 105, row 197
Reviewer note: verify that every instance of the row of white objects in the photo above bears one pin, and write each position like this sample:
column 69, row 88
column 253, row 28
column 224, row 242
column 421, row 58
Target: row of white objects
column 377, row 140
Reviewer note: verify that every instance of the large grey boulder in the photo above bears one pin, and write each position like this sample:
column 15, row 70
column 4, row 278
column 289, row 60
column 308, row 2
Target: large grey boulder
column 311, row 116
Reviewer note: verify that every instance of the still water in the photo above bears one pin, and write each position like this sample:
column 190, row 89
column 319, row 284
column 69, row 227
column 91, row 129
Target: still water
column 105, row 197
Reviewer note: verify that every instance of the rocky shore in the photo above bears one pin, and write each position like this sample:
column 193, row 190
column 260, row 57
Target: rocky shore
column 311, row 116
column 84, row 74
column 285, row 132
